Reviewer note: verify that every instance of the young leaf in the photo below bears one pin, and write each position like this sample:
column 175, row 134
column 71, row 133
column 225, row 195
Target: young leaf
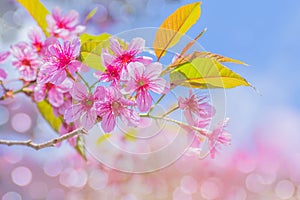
column 206, row 73
column 197, row 54
column 90, row 15
column 80, row 147
column 91, row 49
column 47, row 112
column 175, row 26
column 38, row 11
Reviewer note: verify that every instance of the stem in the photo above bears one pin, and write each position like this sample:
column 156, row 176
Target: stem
column 170, row 111
column 199, row 130
column 84, row 81
column 93, row 85
column 50, row 143
column 157, row 102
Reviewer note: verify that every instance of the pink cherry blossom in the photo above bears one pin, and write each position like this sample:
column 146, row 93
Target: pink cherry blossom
column 111, row 74
column 84, row 108
column 219, row 136
column 60, row 62
column 27, row 61
column 55, row 93
column 61, row 110
column 123, row 56
column 115, row 105
column 35, row 36
column 64, row 26
column 196, row 108
column 144, row 79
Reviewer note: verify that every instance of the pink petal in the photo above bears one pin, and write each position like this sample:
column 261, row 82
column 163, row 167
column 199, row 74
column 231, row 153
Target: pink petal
column 58, row 77
column 79, row 91
column 158, row 85
column 73, row 113
column 99, row 93
column 135, row 70
column 143, row 59
column 3, row 74
column 39, row 93
column 4, row 55
column 55, row 97
column 71, row 19
column 136, row 45
column 88, row 119
column 107, row 59
column 144, row 101
column 153, row 70
column 115, row 47
column 108, row 122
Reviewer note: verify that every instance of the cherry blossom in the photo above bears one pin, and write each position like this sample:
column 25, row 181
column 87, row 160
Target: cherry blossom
column 84, row 108
column 144, row 79
column 35, row 36
column 123, row 56
column 219, row 136
column 60, row 62
column 64, row 26
column 3, row 56
column 27, row 61
column 115, row 105
column 55, row 93
column 196, row 108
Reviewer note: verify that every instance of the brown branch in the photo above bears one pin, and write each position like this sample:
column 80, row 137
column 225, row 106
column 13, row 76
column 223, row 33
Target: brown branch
column 50, row 143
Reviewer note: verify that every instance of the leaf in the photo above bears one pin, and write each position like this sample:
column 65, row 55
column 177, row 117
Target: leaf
column 175, row 26
column 206, row 73
column 38, row 11
column 47, row 112
column 91, row 14
column 197, row 54
column 91, row 49
column 80, row 147
column 190, row 44
column 103, row 137
column 131, row 135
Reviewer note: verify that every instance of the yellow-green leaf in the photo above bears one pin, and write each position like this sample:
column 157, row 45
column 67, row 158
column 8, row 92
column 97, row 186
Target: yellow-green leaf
column 91, row 14
column 197, row 54
column 46, row 111
column 102, row 138
column 80, row 147
column 38, row 11
column 91, row 49
column 175, row 26
column 206, row 73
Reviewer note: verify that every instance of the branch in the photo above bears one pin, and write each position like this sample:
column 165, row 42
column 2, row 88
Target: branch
column 50, row 143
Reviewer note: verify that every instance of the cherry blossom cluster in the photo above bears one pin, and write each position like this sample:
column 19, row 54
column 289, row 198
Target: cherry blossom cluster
column 50, row 70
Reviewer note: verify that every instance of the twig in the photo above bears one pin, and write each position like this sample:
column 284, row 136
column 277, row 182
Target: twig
column 50, row 143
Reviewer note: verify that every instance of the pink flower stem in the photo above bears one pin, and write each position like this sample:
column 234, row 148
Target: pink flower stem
column 84, row 81
column 170, row 111
column 201, row 131
column 157, row 102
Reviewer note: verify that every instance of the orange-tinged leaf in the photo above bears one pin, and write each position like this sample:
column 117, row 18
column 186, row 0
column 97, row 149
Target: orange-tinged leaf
column 175, row 26
column 38, row 11
column 197, row 54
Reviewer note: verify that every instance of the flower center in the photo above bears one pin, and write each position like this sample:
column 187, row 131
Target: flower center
column 126, row 58
column 26, row 62
column 89, row 103
column 115, row 105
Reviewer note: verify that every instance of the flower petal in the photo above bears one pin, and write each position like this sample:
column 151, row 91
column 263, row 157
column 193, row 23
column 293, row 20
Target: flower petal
column 108, row 122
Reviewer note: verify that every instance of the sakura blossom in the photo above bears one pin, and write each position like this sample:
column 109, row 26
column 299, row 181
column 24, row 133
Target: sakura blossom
column 144, row 79
column 196, row 109
column 55, row 93
column 3, row 74
column 64, row 26
column 35, row 36
column 84, row 108
column 60, row 62
column 123, row 56
column 27, row 61
column 114, row 105
column 111, row 74
column 219, row 136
